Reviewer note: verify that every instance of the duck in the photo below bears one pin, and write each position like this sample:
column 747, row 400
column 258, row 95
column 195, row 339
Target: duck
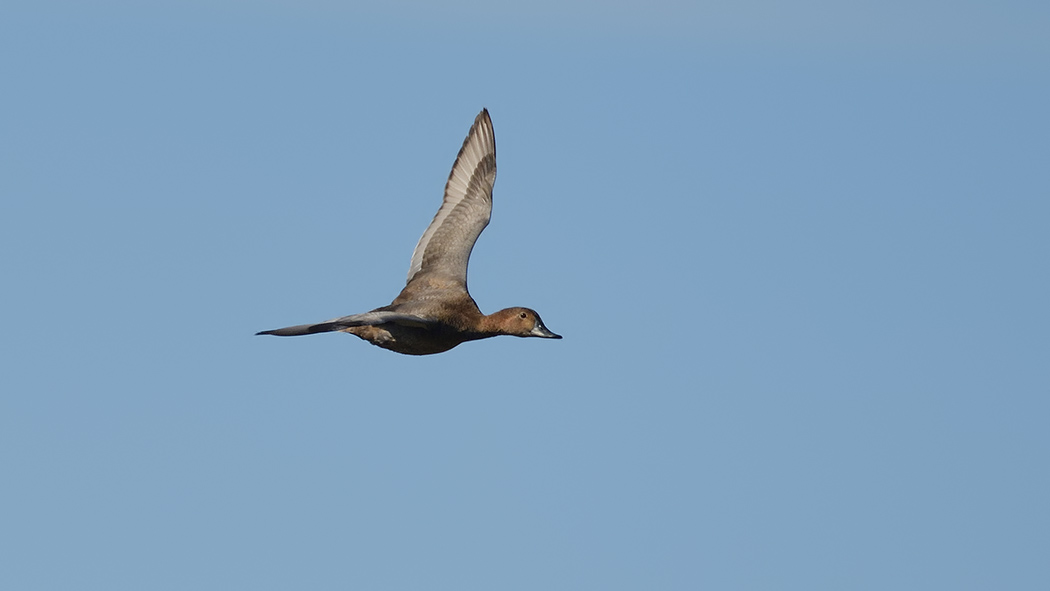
column 435, row 312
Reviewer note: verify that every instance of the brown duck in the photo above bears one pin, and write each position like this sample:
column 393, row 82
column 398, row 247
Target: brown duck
column 434, row 312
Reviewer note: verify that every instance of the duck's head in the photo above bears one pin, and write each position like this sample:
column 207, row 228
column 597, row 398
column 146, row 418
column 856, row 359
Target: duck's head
column 521, row 322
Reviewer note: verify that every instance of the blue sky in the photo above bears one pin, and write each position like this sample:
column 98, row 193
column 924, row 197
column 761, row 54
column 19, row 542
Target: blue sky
column 798, row 254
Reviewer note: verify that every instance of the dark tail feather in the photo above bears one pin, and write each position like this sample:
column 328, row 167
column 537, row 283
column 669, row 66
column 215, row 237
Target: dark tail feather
column 302, row 329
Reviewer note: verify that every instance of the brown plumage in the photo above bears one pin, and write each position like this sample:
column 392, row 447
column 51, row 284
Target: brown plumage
column 434, row 312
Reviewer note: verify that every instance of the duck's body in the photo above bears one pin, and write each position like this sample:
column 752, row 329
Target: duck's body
column 434, row 312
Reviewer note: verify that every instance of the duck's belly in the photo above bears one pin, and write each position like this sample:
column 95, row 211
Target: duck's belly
column 408, row 340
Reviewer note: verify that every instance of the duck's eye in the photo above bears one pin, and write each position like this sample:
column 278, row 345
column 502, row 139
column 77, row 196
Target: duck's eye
column 523, row 315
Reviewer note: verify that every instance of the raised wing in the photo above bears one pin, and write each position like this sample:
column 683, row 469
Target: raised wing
column 445, row 246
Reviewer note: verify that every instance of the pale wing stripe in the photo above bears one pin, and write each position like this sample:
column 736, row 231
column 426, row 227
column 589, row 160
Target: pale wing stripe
column 377, row 317
column 479, row 145
column 368, row 318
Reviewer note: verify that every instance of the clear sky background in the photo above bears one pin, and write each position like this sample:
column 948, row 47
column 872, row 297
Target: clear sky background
column 798, row 251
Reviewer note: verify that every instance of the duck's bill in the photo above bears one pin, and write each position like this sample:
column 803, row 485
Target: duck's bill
column 541, row 331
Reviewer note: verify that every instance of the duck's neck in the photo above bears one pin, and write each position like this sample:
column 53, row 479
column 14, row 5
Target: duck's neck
column 495, row 323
